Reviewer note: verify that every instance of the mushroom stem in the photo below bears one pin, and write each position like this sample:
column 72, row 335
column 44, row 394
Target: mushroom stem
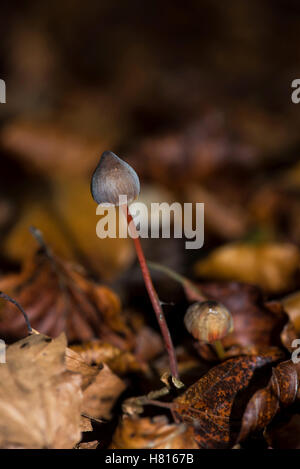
column 153, row 295
column 219, row 349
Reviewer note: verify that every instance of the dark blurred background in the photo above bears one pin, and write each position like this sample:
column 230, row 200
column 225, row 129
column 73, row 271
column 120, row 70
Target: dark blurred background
column 195, row 95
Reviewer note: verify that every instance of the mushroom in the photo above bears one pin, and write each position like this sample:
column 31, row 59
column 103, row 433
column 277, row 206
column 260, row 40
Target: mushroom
column 111, row 179
column 114, row 177
column 209, row 322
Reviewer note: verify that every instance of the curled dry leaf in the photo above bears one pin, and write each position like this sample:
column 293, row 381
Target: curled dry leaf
column 119, row 361
column 272, row 266
column 40, row 400
column 58, row 296
column 281, row 391
column 144, row 433
column 209, row 404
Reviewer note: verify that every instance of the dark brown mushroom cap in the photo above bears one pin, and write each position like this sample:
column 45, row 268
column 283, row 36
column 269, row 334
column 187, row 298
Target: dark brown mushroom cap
column 114, row 177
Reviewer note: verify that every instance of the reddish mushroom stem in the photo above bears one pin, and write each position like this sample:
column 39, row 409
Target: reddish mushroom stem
column 153, row 296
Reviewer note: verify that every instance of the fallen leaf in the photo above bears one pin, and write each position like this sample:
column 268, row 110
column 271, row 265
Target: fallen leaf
column 208, row 404
column 101, row 395
column 148, row 344
column 119, row 361
column 291, row 304
column 281, row 391
column 49, row 148
column 87, row 441
column 101, row 387
column 144, row 433
column 272, row 266
column 40, row 400
column 58, row 296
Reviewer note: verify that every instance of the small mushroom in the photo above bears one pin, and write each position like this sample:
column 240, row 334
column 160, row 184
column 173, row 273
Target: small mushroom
column 209, row 321
column 112, row 178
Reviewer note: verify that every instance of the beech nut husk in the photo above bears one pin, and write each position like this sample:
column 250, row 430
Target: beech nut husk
column 208, row 321
column 113, row 178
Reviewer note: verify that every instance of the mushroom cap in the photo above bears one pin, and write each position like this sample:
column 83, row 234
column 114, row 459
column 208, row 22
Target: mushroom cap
column 208, row 321
column 112, row 178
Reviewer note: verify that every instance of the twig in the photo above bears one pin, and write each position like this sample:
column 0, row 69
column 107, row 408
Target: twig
column 11, row 300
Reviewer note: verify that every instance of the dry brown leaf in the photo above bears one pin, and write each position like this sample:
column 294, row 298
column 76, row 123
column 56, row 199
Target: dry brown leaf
column 40, row 401
column 101, row 387
column 119, row 361
column 209, row 403
column 88, row 445
column 87, row 441
column 148, row 343
column 288, row 335
column 291, row 304
column 49, row 148
column 144, row 433
column 58, row 296
column 76, row 364
column 281, row 390
column 101, row 395
column 272, row 266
